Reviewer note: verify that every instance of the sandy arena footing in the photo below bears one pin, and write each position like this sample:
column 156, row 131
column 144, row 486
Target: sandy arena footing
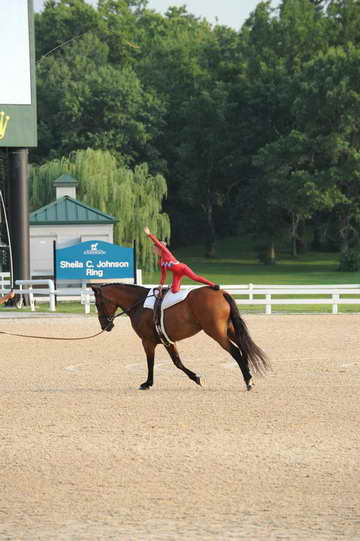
column 85, row 455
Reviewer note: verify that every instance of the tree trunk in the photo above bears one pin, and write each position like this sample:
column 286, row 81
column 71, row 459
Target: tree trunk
column 271, row 254
column 316, row 242
column 295, row 220
column 344, row 232
column 211, row 234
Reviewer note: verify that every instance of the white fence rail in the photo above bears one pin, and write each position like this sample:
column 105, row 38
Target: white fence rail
column 251, row 294
column 306, row 294
column 49, row 291
column 5, row 282
column 310, row 294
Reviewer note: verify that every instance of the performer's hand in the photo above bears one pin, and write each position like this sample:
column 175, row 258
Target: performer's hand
column 147, row 230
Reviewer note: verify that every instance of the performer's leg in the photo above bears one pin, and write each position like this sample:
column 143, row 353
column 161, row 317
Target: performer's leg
column 176, row 281
column 196, row 277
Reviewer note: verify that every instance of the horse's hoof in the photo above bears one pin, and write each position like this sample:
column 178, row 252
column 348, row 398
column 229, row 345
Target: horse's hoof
column 144, row 387
column 249, row 386
column 198, row 380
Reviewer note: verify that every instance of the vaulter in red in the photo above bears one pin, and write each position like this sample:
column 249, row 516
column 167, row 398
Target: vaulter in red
column 168, row 262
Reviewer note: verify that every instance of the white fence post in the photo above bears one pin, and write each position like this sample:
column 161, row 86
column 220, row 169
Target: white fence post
column 268, row 304
column 21, row 300
column 139, row 277
column 31, row 298
column 335, row 299
column 85, row 299
column 52, row 304
column 251, row 287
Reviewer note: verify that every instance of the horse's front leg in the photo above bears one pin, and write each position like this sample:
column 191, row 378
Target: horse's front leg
column 178, row 363
column 149, row 348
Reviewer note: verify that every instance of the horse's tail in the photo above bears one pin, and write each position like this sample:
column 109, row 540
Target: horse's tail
column 256, row 357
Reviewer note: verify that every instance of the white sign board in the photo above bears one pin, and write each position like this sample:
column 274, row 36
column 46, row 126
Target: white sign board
column 15, row 87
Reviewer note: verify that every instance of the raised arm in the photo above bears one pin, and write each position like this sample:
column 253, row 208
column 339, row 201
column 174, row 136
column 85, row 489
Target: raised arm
column 158, row 243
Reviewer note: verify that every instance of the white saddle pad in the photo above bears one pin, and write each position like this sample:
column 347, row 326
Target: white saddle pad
column 169, row 300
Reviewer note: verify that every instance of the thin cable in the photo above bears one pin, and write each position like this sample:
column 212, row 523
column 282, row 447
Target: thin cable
column 60, row 46
column 64, row 43
column 52, row 337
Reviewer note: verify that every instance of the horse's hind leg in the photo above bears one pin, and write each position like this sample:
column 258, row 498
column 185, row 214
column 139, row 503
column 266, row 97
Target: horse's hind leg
column 240, row 358
column 174, row 354
column 149, row 348
column 224, row 341
column 236, row 354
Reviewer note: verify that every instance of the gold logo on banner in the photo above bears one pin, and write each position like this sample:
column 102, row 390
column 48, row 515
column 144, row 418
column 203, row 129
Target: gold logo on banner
column 4, row 119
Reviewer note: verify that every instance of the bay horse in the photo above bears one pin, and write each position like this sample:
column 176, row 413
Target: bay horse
column 214, row 312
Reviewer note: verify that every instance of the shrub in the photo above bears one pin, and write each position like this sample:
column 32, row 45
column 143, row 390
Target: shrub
column 349, row 260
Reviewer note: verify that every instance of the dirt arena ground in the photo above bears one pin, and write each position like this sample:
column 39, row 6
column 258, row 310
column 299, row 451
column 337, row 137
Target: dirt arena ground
column 84, row 455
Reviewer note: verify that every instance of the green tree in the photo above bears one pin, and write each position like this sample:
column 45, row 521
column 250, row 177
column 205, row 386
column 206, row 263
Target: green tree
column 85, row 101
column 133, row 196
column 295, row 188
column 176, row 68
column 275, row 50
column 266, row 116
column 202, row 152
column 343, row 17
column 328, row 111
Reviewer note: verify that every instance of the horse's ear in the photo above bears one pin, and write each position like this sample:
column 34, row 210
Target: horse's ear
column 95, row 289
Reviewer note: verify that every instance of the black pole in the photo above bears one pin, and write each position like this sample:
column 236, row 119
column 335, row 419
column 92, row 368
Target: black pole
column 19, row 212
column 54, row 265
column 135, row 262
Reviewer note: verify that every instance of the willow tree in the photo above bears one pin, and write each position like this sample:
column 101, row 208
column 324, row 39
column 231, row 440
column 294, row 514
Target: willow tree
column 133, row 196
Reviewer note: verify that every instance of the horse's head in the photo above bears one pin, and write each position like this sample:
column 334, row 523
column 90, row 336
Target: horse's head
column 106, row 308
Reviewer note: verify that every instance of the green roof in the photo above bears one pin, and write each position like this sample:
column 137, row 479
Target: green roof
column 69, row 211
column 65, row 180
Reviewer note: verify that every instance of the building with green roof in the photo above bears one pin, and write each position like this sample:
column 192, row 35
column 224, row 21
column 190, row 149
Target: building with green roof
column 64, row 222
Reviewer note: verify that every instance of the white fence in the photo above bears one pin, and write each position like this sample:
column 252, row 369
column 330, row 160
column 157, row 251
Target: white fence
column 250, row 294
column 51, row 295
column 305, row 295
column 47, row 293
column 268, row 295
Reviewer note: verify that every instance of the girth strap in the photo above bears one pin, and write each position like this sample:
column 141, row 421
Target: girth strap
column 159, row 317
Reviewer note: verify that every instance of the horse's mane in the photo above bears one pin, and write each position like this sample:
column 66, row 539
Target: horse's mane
column 120, row 284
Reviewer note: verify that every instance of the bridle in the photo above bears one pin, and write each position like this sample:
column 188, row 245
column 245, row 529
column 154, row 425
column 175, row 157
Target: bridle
column 110, row 319
column 104, row 300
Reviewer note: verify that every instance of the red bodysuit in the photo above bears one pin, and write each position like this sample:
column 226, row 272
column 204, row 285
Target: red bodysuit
column 168, row 262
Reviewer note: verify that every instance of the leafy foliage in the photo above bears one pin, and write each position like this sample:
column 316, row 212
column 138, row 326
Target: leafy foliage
column 134, row 197
column 350, row 261
column 256, row 129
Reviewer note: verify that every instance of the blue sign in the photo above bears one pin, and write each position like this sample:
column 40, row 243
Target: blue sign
column 94, row 260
